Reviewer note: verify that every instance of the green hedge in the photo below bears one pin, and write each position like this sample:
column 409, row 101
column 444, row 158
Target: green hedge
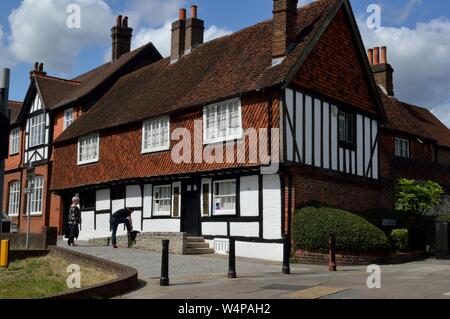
column 400, row 238
column 313, row 226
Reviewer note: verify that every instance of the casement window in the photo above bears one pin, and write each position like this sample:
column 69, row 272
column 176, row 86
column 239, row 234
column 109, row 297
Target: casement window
column 346, row 128
column 68, row 118
column 14, row 141
column 402, row 147
column 87, row 200
column 37, row 130
column 88, row 149
column 34, row 205
column 155, row 135
column 224, row 197
column 222, row 121
column 206, row 197
column 176, row 200
column 14, row 199
column 162, row 197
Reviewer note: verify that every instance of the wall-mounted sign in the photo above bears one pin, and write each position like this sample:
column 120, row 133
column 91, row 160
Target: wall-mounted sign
column 389, row 222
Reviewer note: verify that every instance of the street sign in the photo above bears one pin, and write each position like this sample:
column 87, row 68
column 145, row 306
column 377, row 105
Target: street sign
column 389, row 222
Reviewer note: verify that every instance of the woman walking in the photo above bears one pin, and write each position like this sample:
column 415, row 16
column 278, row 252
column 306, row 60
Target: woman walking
column 74, row 221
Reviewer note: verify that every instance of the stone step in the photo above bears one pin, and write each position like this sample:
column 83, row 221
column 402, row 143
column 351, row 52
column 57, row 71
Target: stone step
column 199, row 251
column 197, row 245
column 195, row 239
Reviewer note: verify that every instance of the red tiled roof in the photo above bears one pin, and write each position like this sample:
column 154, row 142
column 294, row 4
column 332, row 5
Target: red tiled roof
column 57, row 92
column 414, row 120
column 14, row 107
column 222, row 68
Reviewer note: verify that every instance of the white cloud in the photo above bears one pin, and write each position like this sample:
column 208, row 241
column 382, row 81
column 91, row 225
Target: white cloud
column 152, row 12
column 161, row 37
column 420, row 58
column 39, row 31
column 6, row 60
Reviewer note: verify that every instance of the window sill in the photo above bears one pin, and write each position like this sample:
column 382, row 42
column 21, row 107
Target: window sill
column 222, row 140
column 167, row 215
column 87, row 162
column 224, row 213
column 156, row 150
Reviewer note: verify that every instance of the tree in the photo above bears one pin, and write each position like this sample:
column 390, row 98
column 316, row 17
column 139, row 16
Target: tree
column 417, row 197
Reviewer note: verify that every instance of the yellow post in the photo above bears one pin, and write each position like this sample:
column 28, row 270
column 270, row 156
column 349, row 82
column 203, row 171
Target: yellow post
column 4, row 254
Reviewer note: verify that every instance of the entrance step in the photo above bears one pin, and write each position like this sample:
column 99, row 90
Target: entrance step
column 197, row 246
column 199, row 251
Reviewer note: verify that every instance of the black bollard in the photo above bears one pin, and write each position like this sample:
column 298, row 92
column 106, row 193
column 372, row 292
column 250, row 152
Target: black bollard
column 232, row 260
column 332, row 250
column 286, row 253
column 164, row 281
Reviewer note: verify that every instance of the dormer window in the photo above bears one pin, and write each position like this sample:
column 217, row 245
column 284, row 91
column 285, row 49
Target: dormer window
column 155, row 135
column 68, row 118
column 88, row 149
column 222, row 121
column 37, row 130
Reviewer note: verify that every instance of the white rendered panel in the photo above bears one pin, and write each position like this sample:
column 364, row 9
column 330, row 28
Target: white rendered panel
column 271, row 207
column 249, row 199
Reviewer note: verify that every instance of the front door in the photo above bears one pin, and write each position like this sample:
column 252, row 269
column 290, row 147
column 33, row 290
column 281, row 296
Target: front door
column 190, row 207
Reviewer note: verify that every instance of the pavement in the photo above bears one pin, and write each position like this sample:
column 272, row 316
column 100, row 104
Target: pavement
column 205, row 277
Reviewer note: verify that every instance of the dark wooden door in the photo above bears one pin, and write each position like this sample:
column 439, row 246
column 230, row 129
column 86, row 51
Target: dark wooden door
column 190, row 207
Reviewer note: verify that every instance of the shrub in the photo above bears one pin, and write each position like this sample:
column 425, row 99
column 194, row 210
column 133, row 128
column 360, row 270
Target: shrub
column 400, row 239
column 313, row 226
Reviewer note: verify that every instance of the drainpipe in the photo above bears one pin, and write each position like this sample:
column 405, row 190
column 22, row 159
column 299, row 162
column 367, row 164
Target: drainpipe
column 4, row 112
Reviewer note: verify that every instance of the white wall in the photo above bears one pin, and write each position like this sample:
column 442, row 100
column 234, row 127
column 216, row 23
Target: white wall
column 249, row 196
column 162, row 225
column 103, row 201
column 267, row 251
column 271, row 207
column 214, row 229
column 244, row 229
column 134, row 196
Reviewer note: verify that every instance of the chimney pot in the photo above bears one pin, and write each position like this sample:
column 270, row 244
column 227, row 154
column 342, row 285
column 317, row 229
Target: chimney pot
column 119, row 21
column 370, row 56
column 125, row 22
column 41, row 67
column 182, row 14
column 376, row 56
column 383, row 55
column 36, row 66
column 194, row 10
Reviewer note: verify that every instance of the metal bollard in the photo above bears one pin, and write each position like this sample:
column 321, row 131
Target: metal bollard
column 164, row 281
column 332, row 250
column 232, row 259
column 286, row 253
column 4, row 253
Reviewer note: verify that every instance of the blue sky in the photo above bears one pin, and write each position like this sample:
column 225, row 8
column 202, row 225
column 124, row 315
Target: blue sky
column 29, row 32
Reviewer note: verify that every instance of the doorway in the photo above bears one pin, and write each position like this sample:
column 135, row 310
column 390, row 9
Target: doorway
column 190, row 207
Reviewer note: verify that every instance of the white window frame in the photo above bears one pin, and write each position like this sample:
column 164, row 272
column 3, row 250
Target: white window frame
column 95, row 159
column 156, row 212
column 215, row 108
column 146, row 135
column 35, row 198
column 14, row 141
column 14, row 199
column 68, row 120
column 224, row 212
column 402, row 147
column 37, row 130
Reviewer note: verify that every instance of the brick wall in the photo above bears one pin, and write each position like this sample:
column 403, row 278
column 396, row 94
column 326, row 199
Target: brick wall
column 335, row 67
column 333, row 189
column 120, row 149
column 443, row 156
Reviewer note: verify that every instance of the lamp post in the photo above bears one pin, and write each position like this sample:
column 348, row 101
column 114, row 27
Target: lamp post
column 4, row 134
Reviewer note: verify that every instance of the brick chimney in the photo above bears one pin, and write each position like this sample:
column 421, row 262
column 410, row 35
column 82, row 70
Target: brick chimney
column 381, row 69
column 38, row 70
column 284, row 27
column 178, row 37
column 195, row 29
column 121, row 38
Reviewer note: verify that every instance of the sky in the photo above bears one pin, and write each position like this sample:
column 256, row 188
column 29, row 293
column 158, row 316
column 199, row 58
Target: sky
column 416, row 32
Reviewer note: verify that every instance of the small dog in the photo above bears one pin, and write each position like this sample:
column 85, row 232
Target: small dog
column 132, row 238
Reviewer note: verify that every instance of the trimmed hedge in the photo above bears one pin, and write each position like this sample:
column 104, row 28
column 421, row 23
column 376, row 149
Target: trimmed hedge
column 400, row 238
column 312, row 228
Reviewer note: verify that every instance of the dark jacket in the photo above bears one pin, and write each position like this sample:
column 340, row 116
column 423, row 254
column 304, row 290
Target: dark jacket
column 74, row 216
